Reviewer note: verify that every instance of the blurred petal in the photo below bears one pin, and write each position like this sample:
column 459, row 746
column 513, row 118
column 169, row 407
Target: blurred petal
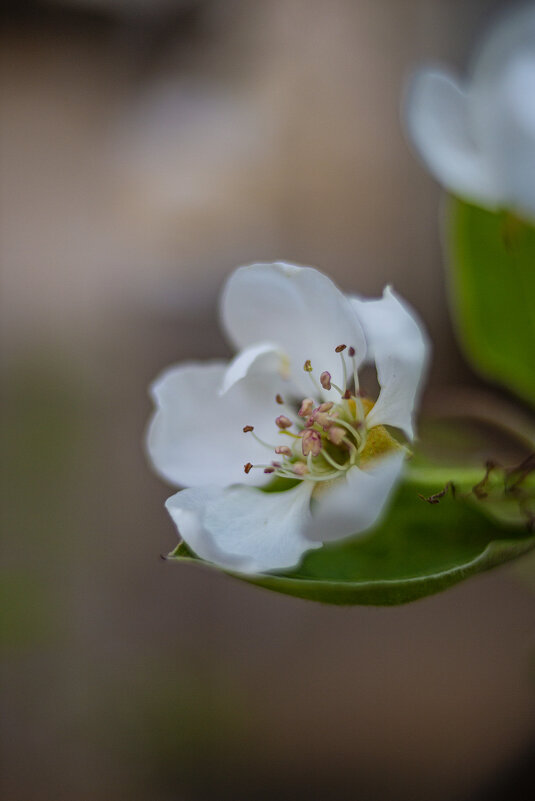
column 439, row 125
column 399, row 346
column 242, row 528
column 354, row 502
column 196, row 435
column 507, row 122
column 512, row 36
column 298, row 309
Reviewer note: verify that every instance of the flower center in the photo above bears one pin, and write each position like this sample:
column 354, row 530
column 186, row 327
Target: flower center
column 322, row 440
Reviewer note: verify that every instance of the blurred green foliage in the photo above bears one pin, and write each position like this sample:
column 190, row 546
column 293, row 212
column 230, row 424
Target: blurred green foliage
column 492, row 287
column 42, row 439
column 170, row 722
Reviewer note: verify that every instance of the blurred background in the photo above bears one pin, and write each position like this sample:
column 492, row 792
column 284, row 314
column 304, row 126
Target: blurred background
column 149, row 147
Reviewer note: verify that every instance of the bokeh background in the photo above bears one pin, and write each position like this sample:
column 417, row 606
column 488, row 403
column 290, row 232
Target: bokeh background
column 148, row 148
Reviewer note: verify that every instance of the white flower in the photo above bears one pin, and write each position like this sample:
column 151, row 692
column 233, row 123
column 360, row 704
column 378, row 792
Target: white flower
column 478, row 139
column 287, row 405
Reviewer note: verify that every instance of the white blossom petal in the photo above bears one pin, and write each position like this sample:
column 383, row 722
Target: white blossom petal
column 506, row 120
column 513, row 35
column 502, row 89
column 262, row 358
column 196, row 435
column 437, row 115
column 242, row 528
column 399, row 346
column 353, row 503
column 298, row 309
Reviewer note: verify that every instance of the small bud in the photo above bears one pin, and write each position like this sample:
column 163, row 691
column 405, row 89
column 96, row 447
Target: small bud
column 269, row 470
column 300, row 468
column 325, row 380
column 279, row 399
column 284, row 450
column 306, row 407
column 283, row 422
column 247, row 467
column 346, row 395
column 307, row 367
column 336, row 434
column 351, row 351
column 340, row 348
column 311, row 443
column 325, row 407
column 247, row 428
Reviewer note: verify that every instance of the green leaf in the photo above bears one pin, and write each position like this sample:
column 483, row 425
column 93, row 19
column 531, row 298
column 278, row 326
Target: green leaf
column 419, row 549
column 492, row 261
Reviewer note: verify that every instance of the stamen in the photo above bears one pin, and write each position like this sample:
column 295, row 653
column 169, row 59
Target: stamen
column 344, row 370
column 354, row 433
column 327, row 476
column 323, row 419
column 336, row 387
column 284, row 450
column 283, row 422
column 259, row 466
column 363, row 439
column 300, row 468
column 325, row 380
column 358, row 401
column 311, row 443
column 250, row 430
column 353, row 452
column 306, row 407
column 336, row 435
column 321, row 475
column 331, row 434
column 307, row 367
column 331, row 461
column 361, row 414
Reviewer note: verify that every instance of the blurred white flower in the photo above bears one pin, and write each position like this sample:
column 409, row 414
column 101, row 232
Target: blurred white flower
column 288, row 405
column 478, row 137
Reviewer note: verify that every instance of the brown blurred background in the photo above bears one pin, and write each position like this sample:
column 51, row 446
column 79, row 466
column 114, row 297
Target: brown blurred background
column 147, row 149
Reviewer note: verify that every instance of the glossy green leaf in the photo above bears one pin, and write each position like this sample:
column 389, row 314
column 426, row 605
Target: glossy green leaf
column 492, row 261
column 419, row 548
